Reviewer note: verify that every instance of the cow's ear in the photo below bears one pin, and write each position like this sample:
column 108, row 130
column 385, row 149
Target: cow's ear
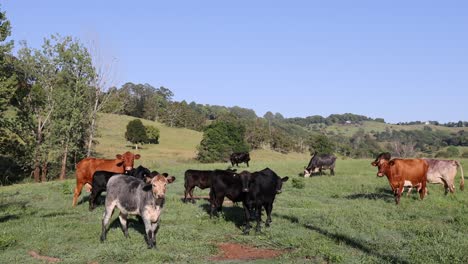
column 374, row 163
column 170, row 179
column 118, row 156
column 165, row 174
column 137, row 156
column 285, row 179
column 148, row 180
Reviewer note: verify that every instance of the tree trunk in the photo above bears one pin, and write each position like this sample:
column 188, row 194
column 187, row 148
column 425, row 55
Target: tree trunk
column 63, row 171
column 93, row 124
column 37, row 165
column 44, row 171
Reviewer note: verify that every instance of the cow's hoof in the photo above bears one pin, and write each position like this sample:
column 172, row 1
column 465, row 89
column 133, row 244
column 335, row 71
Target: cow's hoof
column 102, row 239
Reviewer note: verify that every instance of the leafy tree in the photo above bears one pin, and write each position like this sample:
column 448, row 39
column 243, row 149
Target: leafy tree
column 321, row 144
column 220, row 139
column 136, row 132
column 453, row 151
column 152, row 134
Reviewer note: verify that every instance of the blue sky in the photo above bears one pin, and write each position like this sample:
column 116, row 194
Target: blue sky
column 400, row 60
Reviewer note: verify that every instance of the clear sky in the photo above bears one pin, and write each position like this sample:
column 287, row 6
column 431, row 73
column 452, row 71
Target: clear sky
column 399, row 60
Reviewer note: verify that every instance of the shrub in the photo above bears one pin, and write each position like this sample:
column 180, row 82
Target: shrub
column 465, row 154
column 153, row 134
column 453, row 151
column 136, row 132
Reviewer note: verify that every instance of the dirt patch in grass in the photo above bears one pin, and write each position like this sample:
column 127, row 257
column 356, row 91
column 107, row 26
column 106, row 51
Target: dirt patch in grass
column 47, row 259
column 232, row 251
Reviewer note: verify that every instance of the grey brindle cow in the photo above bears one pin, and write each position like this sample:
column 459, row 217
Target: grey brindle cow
column 135, row 197
column 444, row 172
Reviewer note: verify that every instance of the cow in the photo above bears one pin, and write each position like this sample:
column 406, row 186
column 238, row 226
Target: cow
column 252, row 189
column 322, row 162
column 198, row 178
column 135, row 197
column 439, row 172
column 400, row 170
column 100, row 179
column 239, row 157
column 263, row 188
column 86, row 167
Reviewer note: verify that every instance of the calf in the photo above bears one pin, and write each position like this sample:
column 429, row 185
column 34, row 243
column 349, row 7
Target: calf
column 100, row 179
column 133, row 196
column 400, row 170
column 239, row 157
column 86, row 167
column 198, row 178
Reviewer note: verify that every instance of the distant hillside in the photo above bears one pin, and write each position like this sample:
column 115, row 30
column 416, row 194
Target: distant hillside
column 177, row 145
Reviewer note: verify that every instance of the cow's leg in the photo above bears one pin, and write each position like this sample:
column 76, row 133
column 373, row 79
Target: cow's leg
column 247, row 163
column 422, row 192
column 409, row 191
column 92, row 198
column 258, row 215
column 398, row 194
column 155, row 228
column 76, row 194
column 149, row 231
column 105, row 220
column 191, row 194
column 268, row 209
column 246, row 218
column 123, row 224
column 185, row 194
column 332, row 171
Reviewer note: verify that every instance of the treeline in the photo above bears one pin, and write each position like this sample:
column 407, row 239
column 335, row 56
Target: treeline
column 436, row 123
column 346, row 118
column 49, row 98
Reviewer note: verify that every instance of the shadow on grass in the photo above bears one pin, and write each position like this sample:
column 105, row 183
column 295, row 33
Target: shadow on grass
column 233, row 214
column 54, row 214
column 7, row 218
column 133, row 222
column 341, row 238
column 379, row 194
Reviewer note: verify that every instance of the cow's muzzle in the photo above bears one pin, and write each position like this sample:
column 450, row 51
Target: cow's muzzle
column 128, row 168
column 380, row 174
column 245, row 190
column 278, row 191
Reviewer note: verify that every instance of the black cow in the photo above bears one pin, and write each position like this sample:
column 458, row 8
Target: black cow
column 254, row 190
column 198, row 178
column 100, row 179
column 239, row 157
column 135, row 197
column 320, row 162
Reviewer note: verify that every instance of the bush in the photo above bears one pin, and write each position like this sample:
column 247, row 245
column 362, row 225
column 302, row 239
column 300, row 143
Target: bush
column 465, row 154
column 298, row 183
column 153, row 134
column 136, row 132
column 453, row 151
column 220, row 139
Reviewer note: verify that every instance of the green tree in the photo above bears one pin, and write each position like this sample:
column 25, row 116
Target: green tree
column 321, row 144
column 136, row 132
column 152, row 134
column 453, row 151
column 220, row 139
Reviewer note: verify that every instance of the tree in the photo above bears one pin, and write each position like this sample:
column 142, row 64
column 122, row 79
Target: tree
column 220, row 139
column 321, row 144
column 152, row 133
column 136, row 132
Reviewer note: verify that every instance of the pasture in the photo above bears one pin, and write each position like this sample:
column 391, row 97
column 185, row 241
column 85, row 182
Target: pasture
column 348, row 218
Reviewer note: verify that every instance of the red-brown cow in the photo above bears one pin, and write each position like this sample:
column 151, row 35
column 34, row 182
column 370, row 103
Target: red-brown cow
column 86, row 167
column 400, row 170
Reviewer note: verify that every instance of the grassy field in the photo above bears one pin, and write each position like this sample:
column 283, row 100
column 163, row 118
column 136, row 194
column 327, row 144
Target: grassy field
column 347, row 218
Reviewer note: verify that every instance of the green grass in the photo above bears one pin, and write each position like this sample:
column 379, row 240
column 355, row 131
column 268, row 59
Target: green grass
column 348, row 218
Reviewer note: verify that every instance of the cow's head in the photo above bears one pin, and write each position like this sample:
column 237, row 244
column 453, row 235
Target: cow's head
column 384, row 166
column 127, row 160
column 245, row 177
column 279, row 184
column 158, row 185
column 383, row 156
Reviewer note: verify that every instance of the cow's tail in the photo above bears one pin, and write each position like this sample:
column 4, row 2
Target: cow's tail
column 462, row 183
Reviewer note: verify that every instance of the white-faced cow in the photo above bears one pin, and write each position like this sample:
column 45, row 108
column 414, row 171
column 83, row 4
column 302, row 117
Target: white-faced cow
column 320, row 162
column 135, row 197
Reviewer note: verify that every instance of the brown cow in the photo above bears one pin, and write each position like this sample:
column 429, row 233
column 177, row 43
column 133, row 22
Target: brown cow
column 86, row 167
column 400, row 170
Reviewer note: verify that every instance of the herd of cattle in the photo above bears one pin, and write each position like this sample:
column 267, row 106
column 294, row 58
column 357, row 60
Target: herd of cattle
column 138, row 191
